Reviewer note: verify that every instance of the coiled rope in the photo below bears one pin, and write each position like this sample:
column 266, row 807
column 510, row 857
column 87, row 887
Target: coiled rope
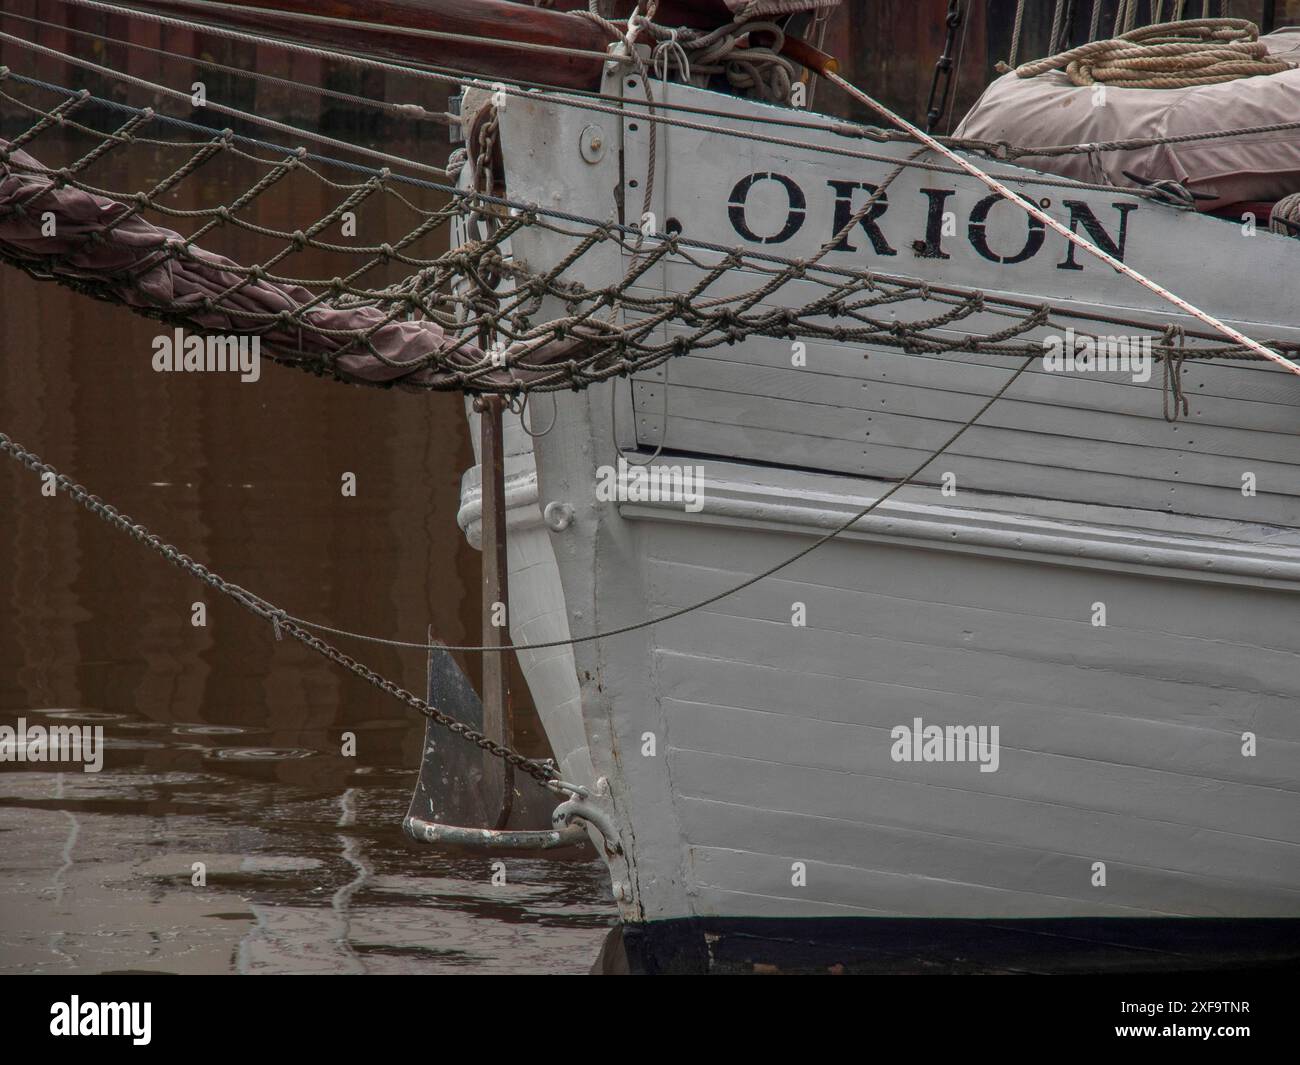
column 1170, row 55
column 1285, row 218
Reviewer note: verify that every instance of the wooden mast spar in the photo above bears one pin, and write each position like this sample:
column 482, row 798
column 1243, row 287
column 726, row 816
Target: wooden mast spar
column 482, row 37
column 490, row 38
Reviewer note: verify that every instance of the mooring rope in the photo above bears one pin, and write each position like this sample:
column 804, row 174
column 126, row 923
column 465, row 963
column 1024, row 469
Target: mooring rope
column 1170, row 55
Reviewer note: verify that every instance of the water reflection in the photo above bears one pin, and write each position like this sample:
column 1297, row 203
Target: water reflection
column 223, row 746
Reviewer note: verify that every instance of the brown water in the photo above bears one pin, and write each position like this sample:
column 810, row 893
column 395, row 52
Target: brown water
column 224, row 745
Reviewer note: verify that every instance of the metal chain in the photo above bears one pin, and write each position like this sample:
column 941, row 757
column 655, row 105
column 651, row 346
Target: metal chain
column 943, row 69
column 542, row 771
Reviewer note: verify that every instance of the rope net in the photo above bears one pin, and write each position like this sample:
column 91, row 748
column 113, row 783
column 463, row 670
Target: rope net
column 423, row 310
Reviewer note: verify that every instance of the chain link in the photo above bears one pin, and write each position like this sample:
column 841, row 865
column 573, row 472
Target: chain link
column 940, row 84
column 542, row 771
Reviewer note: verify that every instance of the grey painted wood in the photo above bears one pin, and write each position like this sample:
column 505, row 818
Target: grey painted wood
column 770, row 744
column 980, row 473
column 821, row 420
column 889, row 383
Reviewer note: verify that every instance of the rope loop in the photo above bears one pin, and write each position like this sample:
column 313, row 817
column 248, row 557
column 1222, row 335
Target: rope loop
column 1168, row 55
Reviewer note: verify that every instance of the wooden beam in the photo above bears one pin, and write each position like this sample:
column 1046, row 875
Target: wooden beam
column 489, row 29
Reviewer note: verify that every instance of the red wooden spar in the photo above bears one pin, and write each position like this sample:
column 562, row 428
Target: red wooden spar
column 481, row 33
column 491, row 38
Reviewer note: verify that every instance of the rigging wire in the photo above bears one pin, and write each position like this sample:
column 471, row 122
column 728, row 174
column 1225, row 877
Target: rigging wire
column 281, row 620
column 1034, row 211
column 437, row 72
column 403, row 31
column 583, row 99
column 234, row 112
column 625, row 112
column 403, row 110
column 753, row 258
column 631, row 109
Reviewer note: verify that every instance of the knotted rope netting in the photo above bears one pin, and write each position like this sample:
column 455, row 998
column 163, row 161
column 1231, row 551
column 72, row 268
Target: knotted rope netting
column 462, row 316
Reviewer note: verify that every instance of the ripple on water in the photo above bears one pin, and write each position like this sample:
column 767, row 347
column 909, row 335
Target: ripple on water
column 211, row 730
column 258, row 754
column 80, row 715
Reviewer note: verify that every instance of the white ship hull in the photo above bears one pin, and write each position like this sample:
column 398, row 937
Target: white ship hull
column 1147, row 767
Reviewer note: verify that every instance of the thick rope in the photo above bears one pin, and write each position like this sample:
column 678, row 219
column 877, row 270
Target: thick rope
column 1171, row 55
column 1016, row 31
column 1285, row 218
column 1054, row 38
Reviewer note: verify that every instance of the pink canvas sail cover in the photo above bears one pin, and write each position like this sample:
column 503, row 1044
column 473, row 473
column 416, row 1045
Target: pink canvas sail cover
column 1050, row 110
column 101, row 244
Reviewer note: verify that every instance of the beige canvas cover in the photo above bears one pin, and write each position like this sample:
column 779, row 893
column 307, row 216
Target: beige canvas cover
column 1049, row 109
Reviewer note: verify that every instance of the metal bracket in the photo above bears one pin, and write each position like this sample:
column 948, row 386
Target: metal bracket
column 581, row 809
column 456, row 133
column 491, row 839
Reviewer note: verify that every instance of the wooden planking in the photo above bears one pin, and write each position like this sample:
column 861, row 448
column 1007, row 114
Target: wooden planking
column 941, row 865
column 1191, row 745
column 821, row 419
column 1242, row 617
column 881, row 391
column 1247, row 380
column 1029, row 778
column 982, row 375
column 991, row 677
column 1214, row 622
column 711, row 898
column 753, row 443
column 860, row 752
column 917, row 806
column 734, row 881
column 1049, row 423
column 1075, row 642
